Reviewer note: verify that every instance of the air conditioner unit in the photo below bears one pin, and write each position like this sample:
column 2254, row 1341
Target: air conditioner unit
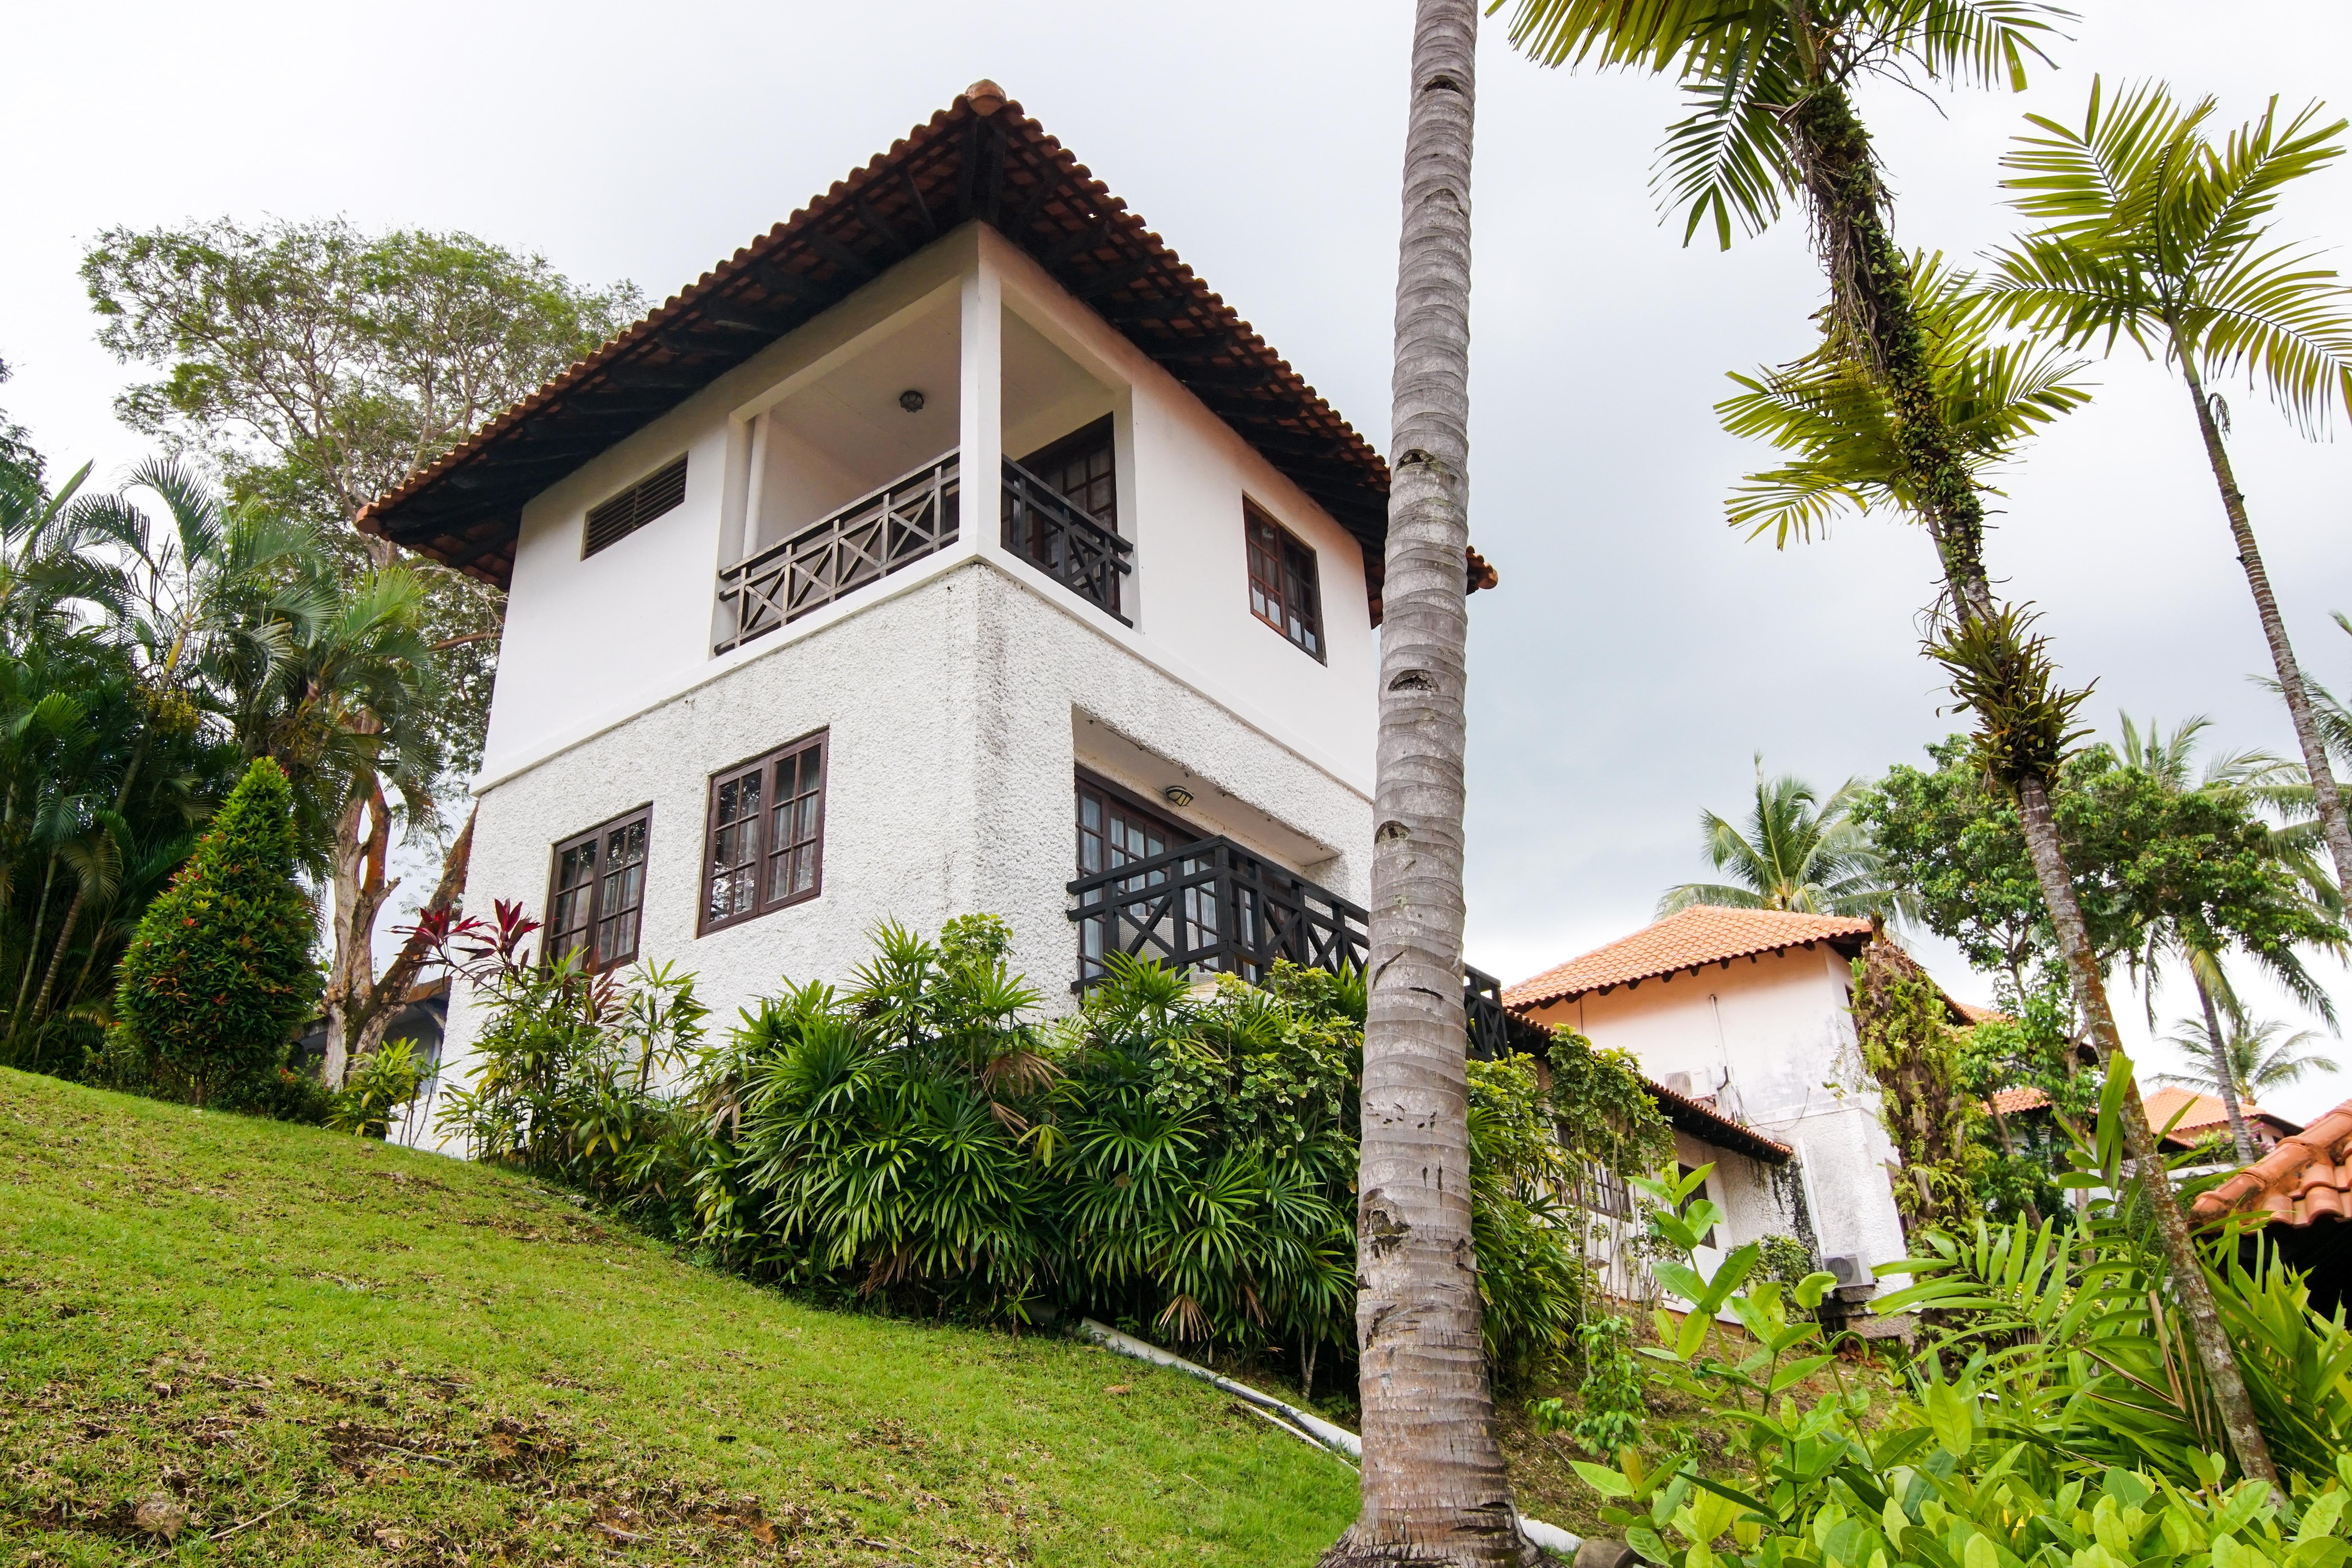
column 1681, row 1083
column 1848, row 1269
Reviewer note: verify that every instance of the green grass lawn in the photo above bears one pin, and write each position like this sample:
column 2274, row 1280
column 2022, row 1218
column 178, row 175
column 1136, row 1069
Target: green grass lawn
column 291, row 1346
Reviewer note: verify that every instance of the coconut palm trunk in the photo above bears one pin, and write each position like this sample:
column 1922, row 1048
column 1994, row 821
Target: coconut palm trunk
column 2324, row 791
column 2225, row 1076
column 1435, row 1487
column 1870, row 301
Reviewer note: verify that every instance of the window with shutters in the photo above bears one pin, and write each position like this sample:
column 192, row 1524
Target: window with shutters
column 611, row 521
column 764, row 846
column 597, row 894
column 1282, row 586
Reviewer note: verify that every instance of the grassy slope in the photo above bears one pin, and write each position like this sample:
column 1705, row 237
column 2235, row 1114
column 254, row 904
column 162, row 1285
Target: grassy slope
column 435, row 1363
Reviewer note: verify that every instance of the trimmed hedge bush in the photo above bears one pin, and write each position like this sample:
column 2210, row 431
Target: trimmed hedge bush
column 218, row 980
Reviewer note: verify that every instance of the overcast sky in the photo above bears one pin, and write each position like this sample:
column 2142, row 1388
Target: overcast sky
column 1639, row 652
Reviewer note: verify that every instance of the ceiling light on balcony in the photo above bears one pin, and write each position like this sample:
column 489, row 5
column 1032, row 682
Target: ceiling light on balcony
column 1177, row 796
column 911, row 401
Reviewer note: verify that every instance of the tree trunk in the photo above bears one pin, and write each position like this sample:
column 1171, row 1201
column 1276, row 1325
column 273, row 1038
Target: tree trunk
column 2225, row 1077
column 1434, row 1489
column 57, row 956
column 33, row 948
column 392, row 991
column 2189, row 1284
column 362, row 840
column 2324, row 792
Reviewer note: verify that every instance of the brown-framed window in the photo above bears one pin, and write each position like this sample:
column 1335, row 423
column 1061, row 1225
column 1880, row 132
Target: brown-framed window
column 596, row 892
column 764, row 846
column 1283, row 589
column 1116, row 828
column 1082, row 467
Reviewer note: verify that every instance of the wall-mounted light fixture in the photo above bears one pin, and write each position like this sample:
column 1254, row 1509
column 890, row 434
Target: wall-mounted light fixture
column 1177, row 796
column 911, row 401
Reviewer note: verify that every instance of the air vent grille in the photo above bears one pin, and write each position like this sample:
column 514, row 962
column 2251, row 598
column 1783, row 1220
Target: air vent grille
column 613, row 520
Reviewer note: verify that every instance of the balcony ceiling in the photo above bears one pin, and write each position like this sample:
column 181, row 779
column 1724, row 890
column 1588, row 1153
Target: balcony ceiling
column 979, row 158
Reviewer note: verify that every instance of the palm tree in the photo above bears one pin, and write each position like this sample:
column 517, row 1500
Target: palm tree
column 1434, row 1489
column 2154, row 235
column 1904, row 404
column 2249, row 1064
column 2247, row 780
column 1798, row 852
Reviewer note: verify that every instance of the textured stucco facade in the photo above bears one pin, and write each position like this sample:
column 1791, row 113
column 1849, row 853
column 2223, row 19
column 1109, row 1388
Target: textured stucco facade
column 1771, row 1040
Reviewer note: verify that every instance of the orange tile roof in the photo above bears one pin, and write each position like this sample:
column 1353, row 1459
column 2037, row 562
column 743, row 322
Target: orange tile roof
column 2307, row 1177
column 2009, row 1102
column 1702, row 934
column 1976, row 1014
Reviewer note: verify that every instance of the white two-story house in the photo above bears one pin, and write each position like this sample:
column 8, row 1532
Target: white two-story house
column 950, row 547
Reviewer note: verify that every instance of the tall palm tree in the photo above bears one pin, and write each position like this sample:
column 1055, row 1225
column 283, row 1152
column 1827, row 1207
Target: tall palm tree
column 1798, row 852
column 1434, row 1489
column 1878, row 414
column 2156, row 235
column 2248, row 780
column 2250, row 1064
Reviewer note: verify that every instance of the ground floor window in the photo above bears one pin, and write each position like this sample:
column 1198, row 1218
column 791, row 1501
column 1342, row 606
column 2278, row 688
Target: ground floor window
column 596, row 893
column 763, row 847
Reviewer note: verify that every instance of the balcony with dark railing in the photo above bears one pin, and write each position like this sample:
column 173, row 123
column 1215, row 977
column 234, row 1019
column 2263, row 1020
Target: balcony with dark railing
column 1213, row 907
column 878, row 534
column 1043, row 528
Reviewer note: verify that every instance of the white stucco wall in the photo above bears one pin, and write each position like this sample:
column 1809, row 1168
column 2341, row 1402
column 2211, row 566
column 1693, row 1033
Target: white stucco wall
column 1772, row 1039
column 592, row 644
column 957, row 712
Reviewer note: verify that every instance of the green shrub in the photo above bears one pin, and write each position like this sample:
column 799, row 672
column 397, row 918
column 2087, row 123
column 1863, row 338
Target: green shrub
column 218, row 978
column 383, row 1082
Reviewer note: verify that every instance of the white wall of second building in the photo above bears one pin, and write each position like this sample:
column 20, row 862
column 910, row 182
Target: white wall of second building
column 957, row 714
column 1773, row 1040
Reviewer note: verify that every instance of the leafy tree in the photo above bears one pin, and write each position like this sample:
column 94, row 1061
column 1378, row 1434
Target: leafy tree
column 218, row 980
column 1434, row 1489
column 315, row 366
column 2252, row 1059
column 1798, row 852
column 2154, row 234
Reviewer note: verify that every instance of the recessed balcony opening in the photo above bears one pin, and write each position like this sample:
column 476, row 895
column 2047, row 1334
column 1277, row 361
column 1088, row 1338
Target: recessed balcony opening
column 1061, row 490
column 853, row 476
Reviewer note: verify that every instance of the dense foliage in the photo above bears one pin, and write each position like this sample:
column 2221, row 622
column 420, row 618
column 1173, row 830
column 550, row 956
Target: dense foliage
column 218, row 980
column 2057, row 1420
column 1175, row 1157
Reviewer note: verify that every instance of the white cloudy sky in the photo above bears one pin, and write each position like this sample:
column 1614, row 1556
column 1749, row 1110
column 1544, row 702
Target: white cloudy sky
column 1638, row 653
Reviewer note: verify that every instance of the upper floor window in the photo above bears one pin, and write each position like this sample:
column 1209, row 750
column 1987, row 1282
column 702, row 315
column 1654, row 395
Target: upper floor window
column 1283, row 589
column 1081, row 467
column 764, row 846
column 597, row 894
column 613, row 520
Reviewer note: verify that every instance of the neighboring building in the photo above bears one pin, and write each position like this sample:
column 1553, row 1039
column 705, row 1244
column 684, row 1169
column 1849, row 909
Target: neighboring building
column 1746, row 1012
column 2187, row 1119
column 2300, row 1193
column 948, row 548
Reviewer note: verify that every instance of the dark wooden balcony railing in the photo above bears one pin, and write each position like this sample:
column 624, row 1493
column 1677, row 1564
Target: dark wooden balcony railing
column 865, row 541
column 1045, row 529
column 1213, row 907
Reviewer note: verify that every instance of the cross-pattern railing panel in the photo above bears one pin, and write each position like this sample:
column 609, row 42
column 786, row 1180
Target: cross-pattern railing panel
column 1045, row 528
column 1495, row 1030
column 1212, row 906
column 864, row 542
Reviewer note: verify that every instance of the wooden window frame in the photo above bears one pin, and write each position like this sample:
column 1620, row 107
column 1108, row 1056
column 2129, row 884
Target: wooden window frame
column 764, row 764
column 1094, row 434
column 1087, row 779
column 597, row 914
column 1290, row 585
column 629, row 505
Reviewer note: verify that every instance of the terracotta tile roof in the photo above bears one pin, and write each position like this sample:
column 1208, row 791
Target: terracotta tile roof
column 1702, row 1120
column 2009, row 1102
column 1700, row 935
column 1976, row 1014
column 979, row 159
column 2307, row 1177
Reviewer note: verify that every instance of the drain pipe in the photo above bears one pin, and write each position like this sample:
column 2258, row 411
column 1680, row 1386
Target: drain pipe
column 1338, row 1439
